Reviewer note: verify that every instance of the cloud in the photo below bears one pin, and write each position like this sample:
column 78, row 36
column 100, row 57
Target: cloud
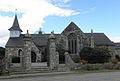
column 89, row 10
column 60, row 3
column 115, row 39
column 63, row 1
column 34, row 12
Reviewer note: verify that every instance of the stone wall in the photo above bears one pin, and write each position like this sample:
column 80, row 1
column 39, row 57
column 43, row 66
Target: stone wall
column 53, row 54
column 27, row 52
column 70, row 64
column 12, row 51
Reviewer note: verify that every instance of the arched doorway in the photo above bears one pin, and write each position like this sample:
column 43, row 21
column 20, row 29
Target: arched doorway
column 33, row 56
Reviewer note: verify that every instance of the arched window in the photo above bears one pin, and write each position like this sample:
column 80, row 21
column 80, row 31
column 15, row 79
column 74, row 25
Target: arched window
column 72, row 43
column 19, row 52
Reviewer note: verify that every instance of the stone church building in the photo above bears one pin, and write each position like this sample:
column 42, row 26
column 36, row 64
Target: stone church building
column 37, row 48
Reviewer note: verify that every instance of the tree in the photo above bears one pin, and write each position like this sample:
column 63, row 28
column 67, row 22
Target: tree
column 2, row 55
column 2, row 52
column 95, row 55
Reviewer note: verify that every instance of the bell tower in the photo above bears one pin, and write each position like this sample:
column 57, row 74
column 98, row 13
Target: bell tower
column 15, row 30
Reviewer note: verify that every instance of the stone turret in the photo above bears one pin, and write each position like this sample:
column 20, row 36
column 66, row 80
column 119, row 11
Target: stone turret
column 15, row 30
column 53, row 55
column 27, row 51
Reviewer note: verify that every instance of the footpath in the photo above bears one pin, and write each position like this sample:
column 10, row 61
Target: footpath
column 51, row 74
column 34, row 75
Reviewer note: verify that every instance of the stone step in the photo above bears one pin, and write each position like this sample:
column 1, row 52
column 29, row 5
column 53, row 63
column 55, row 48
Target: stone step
column 33, row 70
column 30, row 72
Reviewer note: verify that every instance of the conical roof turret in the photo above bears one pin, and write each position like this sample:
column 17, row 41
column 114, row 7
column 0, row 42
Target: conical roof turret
column 15, row 26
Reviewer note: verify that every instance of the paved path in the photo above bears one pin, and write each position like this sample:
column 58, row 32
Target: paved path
column 104, row 76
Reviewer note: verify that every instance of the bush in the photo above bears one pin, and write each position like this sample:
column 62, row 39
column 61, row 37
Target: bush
column 2, row 52
column 114, row 61
column 95, row 55
column 15, row 59
column 83, row 61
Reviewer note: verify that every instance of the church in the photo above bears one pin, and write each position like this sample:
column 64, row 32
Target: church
column 36, row 48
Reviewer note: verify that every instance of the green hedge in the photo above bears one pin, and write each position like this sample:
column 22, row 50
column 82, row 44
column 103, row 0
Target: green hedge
column 95, row 55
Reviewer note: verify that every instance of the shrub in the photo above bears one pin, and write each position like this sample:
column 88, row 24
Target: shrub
column 2, row 52
column 15, row 59
column 95, row 55
column 114, row 61
column 83, row 61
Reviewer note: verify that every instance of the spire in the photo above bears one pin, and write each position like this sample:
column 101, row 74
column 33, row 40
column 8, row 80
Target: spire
column 15, row 25
column 91, row 31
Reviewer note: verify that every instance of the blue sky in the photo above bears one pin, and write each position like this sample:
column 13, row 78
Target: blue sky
column 100, row 15
column 103, row 16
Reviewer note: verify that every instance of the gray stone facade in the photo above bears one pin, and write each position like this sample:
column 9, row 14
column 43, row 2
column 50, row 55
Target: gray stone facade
column 53, row 55
column 37, row 48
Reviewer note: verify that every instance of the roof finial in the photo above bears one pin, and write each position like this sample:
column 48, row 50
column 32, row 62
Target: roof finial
column 52, row 32
column 16, row 11
column 91, row 31
column 52, row 36
column 27, row 31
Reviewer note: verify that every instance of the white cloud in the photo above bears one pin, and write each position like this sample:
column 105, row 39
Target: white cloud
column 115, row 39
column 88, row 10
column 34, row 13
column 63, row 1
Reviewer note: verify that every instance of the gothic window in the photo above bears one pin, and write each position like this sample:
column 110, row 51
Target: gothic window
column 72, row 43
column 19, row 52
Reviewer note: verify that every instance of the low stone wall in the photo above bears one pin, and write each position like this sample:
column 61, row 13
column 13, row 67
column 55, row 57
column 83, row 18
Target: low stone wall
column 107, row 66
column 70, row 64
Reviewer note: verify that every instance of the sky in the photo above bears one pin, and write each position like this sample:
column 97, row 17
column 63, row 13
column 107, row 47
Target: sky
column 103, row 16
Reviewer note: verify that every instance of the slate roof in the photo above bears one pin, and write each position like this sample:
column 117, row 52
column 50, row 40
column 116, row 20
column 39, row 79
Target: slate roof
column 100, row 39
column 117, row 44
column 15, row 25
column 42, row 39
column 15, row 41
